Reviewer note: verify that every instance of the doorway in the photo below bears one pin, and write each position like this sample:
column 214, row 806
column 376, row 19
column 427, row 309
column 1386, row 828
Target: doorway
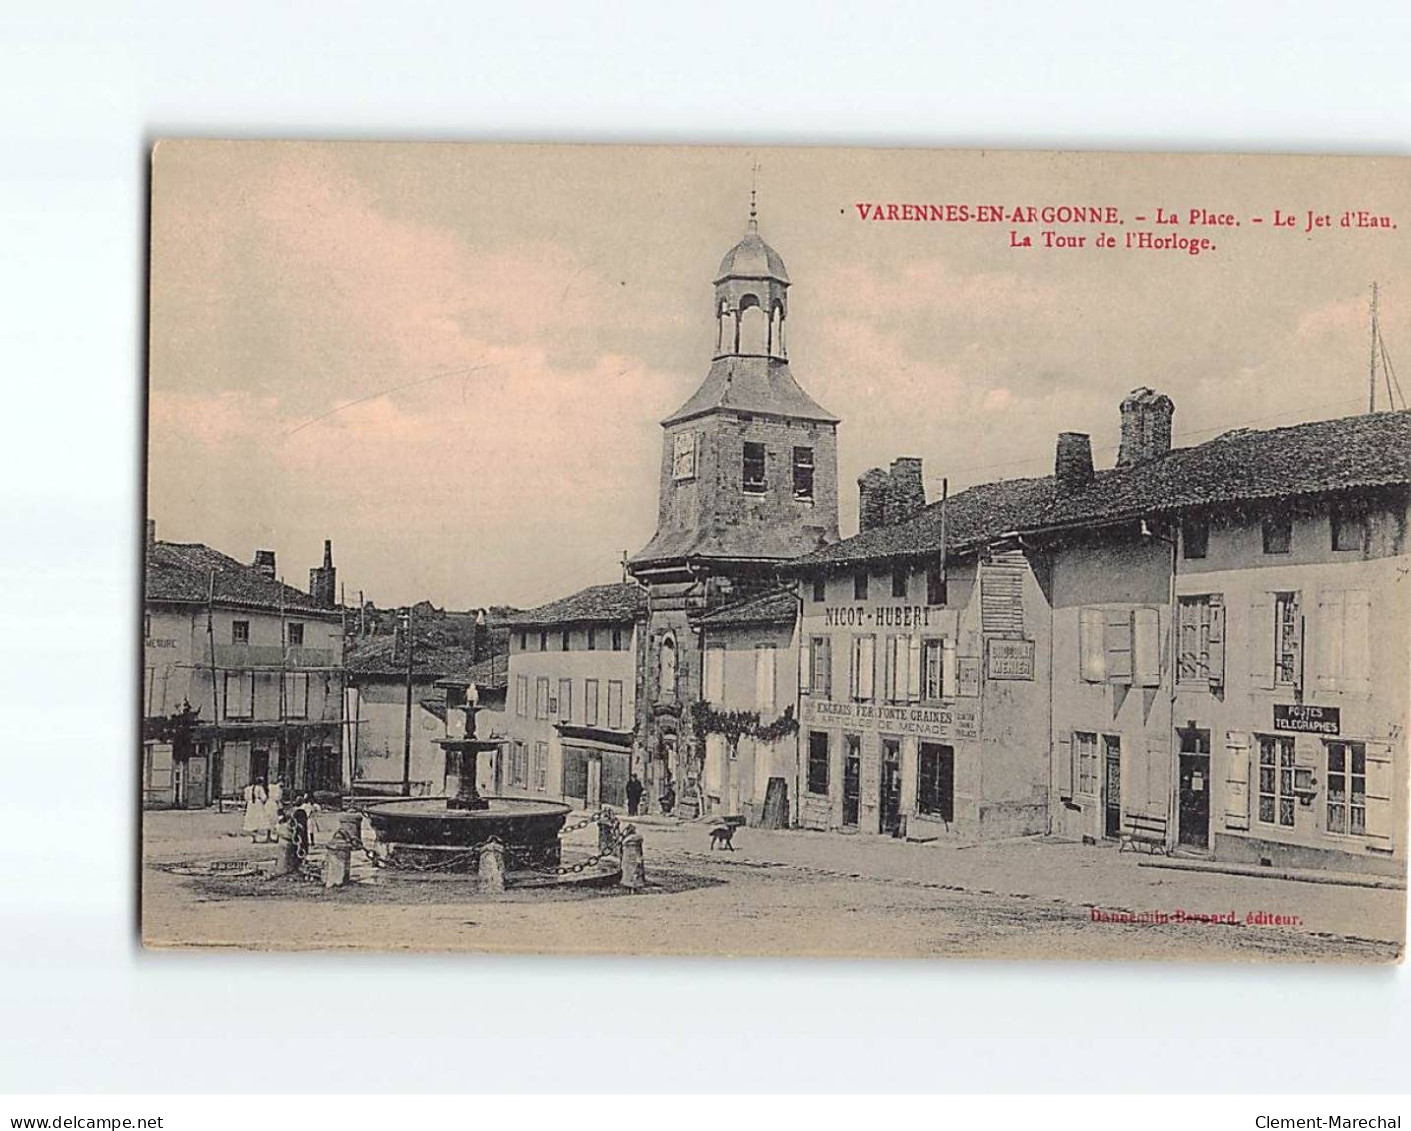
column 1111, row 786
column 1193, row 811
column 935, row 789
column 852, row 779
column 193, row 783
column 889, row 798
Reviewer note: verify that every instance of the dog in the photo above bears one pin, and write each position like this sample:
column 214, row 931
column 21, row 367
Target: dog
column 722, row 835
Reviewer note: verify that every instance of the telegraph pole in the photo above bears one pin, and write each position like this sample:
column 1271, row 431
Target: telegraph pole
column 407, row 734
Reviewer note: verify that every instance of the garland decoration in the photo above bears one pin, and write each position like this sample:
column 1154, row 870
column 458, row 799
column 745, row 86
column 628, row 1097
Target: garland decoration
column 735, row 725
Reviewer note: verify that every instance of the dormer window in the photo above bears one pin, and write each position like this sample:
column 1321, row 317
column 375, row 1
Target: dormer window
column 753, row 469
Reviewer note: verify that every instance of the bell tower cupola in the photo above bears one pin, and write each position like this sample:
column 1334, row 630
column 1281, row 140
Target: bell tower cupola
column 751, row 297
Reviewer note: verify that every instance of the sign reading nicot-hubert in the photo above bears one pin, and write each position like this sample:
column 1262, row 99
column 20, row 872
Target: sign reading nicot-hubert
column 945, row 720
column 1010, row 659
column 1307, row 719
column 881, row 616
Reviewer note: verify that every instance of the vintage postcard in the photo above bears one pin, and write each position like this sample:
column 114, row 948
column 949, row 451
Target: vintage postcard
column 779, row 551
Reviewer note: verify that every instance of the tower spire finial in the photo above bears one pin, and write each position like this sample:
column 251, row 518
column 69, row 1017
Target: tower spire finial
column 754, row 184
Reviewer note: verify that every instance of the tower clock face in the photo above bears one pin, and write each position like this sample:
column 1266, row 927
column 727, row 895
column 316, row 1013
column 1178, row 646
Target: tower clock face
column 683, row 462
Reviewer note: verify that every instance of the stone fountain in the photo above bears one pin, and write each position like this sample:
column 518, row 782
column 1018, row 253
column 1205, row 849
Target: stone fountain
column 446, row 832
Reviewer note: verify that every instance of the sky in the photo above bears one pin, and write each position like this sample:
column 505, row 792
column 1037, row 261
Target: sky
column 453, row 360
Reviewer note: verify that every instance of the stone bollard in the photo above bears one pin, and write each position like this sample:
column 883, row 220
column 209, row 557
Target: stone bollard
column 337, row 859
column 492, row 866
column 634, row 872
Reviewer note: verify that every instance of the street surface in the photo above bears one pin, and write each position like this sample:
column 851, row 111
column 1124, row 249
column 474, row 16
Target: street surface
column 789, row 892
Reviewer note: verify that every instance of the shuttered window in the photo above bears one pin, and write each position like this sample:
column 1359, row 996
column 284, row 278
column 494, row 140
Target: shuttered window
column 822, row 651
column 615, row 704
column 1091, row 657
column 1201, row 639
column 1146, row 648
column 1117, row 646
column 1344, row 641
column 764, row 676
column 862, row 682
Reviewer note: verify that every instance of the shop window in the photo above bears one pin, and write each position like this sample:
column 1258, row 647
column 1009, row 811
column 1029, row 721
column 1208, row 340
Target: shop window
column 934, row 785
column 295, row 634
column 240, row 632
column 1276, row 792
column 803, row 473
column 859, row 585
column 1085, row 755
column 1349, row 527
column 1195, row 538
column 818, row 762
column 1278, row 534
column 899, row 576
column 754, row 468
column 1347, row 788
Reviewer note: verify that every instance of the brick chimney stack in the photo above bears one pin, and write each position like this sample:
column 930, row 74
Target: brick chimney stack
column 1146, row 427
column 323, row 580
column 264, row 562
column 873, row 488
column 1073, row 463
column 907, row 496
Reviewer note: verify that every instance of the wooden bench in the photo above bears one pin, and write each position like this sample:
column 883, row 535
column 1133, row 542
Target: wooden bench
column 1140, row 831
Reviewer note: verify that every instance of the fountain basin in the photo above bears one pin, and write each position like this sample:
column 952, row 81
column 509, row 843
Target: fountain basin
column 424, row 832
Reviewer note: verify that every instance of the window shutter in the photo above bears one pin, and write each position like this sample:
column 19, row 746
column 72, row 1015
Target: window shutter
column 948, row 669
column 1063, row 765
column 1236, row 780
column 1357, row 641
column 715, row 675
column 1217, row 638
column 913, row 668
column 1117, row 645
column 1158, row 775
column 764, row 677
column 1090, row 645
column 825, row 660
column 1379, row 790
column 903, row 673
column 1296, row 642
column 805, row 664
column 1329, row 641
column 1146, row 648
column 1261, row 641
column 889, row 667
column 867, row 667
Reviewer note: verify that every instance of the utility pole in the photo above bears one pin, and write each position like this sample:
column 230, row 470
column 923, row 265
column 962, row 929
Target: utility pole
column 407, row 734
column 1372, row 374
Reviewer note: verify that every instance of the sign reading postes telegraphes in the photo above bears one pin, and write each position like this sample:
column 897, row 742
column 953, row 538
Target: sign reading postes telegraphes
column 1010, row 659
column 944, row 720
column 1307, row 719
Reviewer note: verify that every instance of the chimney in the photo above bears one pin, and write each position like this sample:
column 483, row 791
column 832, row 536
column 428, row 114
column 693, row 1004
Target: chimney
column 1146, row 427
column 323, row 580
column 264, row 562
column 1073, row 464
column 873, row 487
column 908, row 490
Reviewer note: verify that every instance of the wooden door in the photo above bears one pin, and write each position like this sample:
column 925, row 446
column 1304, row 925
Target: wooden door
column 1112, row 787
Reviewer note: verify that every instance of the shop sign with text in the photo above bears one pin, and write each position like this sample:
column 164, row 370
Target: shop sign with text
column 944, row 720
column 1010, row 659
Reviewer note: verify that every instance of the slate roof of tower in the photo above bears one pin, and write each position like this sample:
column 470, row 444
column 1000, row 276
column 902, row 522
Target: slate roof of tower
column 598, row 604
column 752, row 258
column 181, row 572
column 1348, row 453
column 752, row 384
